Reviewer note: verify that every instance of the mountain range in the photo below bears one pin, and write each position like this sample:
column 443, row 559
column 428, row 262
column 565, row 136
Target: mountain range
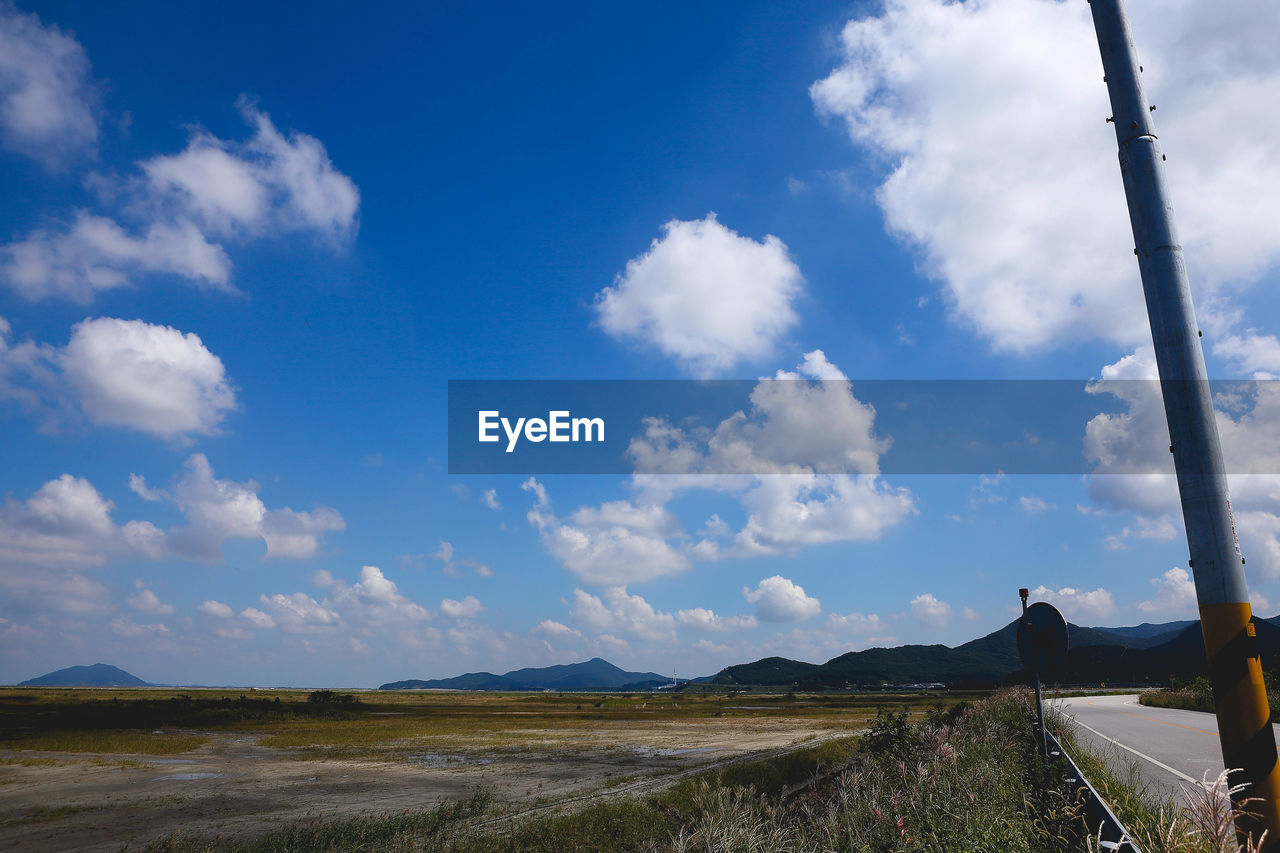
column 1140, row 654
column 1136, row 654
column 595, row 674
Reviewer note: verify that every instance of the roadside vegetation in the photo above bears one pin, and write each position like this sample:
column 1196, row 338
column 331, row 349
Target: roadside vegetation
column 1197, row 695
column 1201, row 821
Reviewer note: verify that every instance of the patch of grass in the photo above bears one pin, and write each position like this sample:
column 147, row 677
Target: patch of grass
column 1197, row 695
column 113, row 742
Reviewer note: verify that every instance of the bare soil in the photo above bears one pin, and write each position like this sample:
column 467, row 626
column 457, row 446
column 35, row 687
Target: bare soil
column 234, row 786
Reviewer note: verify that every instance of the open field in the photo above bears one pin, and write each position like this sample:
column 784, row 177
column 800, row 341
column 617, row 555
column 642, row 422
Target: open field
column 94, row 769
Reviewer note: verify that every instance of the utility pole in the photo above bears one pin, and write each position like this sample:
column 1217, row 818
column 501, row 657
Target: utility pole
column 1244, row 727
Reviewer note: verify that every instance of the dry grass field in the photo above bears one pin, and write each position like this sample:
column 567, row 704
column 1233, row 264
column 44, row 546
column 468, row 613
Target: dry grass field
column 95, row 769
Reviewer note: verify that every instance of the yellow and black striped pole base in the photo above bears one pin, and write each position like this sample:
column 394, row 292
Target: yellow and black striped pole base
column 1244, row 718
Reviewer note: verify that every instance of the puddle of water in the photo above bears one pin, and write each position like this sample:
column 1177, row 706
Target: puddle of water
column 187, row 777
column 669, row 751
column 755, row 707
column 440, row 759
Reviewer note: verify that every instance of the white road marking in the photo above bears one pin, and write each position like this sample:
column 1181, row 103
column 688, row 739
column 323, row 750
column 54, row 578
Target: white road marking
column 1141, row 755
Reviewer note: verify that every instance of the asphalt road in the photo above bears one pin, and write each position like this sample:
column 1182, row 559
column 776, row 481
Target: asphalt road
column 1168, row 748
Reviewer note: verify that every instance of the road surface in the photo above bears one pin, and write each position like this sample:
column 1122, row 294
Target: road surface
column 1169, row 748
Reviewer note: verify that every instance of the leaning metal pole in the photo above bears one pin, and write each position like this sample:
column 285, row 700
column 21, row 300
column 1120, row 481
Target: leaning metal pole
column 1248, row 743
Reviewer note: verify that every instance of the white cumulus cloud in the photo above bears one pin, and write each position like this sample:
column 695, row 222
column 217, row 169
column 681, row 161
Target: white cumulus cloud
column 146, row 601
column 702, row 619
column 299, row 613
column 779, row 599
column 151, row 378
column 468, row 608
column 1175, row 595
column 617, row 542
column 988, row 118
column 121, row 373
column 176, row 214
column 704, row 296
column 1077, row 603
column 619, row 612
column 929, row 610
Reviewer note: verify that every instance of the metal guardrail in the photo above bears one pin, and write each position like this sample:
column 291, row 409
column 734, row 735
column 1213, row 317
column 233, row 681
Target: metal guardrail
column 1102, row 822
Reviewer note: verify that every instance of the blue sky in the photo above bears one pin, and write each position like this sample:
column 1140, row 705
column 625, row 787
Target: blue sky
column 244, row 250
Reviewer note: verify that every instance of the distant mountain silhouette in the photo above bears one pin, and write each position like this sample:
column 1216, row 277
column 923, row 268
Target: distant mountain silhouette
column 1135, row 654
column 595, row 674
column 1150, row 630
column 98, row 675
column 1144, row 653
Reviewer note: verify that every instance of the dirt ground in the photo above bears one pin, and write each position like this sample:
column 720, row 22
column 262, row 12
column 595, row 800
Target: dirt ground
column 234, row 786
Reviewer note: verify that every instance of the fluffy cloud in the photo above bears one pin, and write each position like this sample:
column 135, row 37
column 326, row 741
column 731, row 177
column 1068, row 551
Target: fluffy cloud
column 621, row 613
column 217, row 510
column 778, row 599
column 781, row 458
column 929, row 610
column 1175, row 595
column 962, row 102
column 1161, row 529
column 858, row 623
column 123, row 373
column 1255, row 353
column 468, row 608
column 147, row 601
column 46, row 95
column 180, row 206
column 269, row 183
column 1077, row 603
column 616, row 542
column 705, row 296
column 788, row 512
column 490, row 499
column 375, row 600
column 95, row 253
column 801, row 421
column 702, row 619
column 66, row 525
column 216, row 609
column 806, row 435
column 556, row 630
column 257, row 618
column 1133, row 470
column 299, row 613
